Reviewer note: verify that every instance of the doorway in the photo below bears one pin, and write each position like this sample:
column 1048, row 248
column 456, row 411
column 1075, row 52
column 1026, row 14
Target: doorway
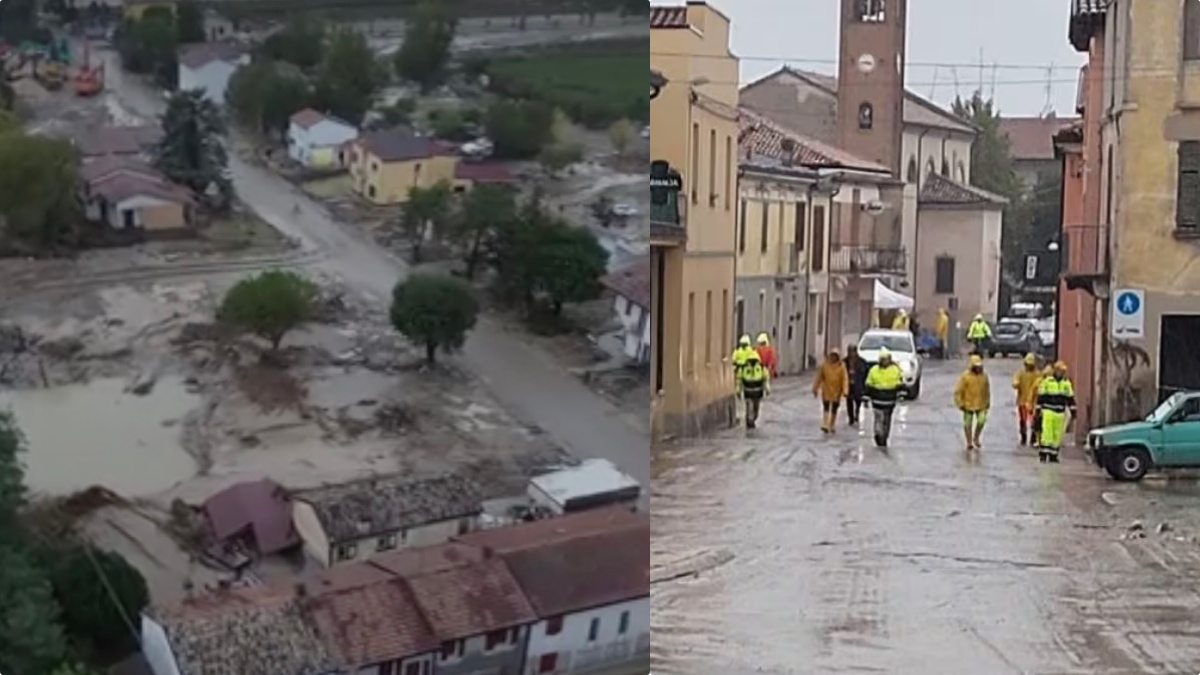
column 1178, row 360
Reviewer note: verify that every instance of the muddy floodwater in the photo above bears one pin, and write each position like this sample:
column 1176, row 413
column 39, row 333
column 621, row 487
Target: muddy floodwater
column 99, row 434
column 787, row 552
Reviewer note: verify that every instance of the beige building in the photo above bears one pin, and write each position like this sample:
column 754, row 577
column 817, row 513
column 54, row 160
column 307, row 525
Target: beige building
column 693, row 148
column 890, row 231
column 1140, row 194
column 351, row 521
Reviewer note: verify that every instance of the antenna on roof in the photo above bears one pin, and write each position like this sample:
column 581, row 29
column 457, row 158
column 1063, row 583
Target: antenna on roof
column 933, row 83
column 954, row 75
column 1048, row 106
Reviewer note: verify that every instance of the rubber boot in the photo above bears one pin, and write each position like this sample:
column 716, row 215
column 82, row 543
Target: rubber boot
column 832, row 422
column 825, row 422
column 1024, row 433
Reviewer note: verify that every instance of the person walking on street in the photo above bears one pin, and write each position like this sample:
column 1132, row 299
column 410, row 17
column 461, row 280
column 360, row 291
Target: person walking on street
column 1025, row 385
column 978, row 334
column 856, row 372
column 832, row 385
column 1055, row 400
column 739, row 356
column 973, row 396
column 767, row 354
column 754, row 383
column 883, row 390
column 942, row 329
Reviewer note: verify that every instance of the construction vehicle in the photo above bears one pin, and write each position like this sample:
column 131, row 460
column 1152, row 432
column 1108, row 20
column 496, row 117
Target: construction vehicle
column 89, row 81
column 50, row 74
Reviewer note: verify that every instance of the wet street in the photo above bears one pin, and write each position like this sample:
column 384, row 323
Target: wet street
column 783, row 551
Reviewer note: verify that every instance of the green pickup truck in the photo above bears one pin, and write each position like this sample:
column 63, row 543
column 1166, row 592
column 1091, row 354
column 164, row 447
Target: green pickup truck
column 1169, row 438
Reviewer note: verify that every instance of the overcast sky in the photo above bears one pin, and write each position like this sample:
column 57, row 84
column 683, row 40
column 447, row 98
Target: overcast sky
column 1023, row 36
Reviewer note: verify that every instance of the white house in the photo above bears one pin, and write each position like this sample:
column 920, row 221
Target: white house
column 209, row 67
column 631, row 287
column 339, row 523
column 593, row 483
column 315, row 140
column 588, row 579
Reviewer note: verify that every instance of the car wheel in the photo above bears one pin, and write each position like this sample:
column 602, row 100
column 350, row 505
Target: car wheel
column 914, row 392
column 1129, row 464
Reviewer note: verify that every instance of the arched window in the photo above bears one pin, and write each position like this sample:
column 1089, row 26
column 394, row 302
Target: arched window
column 930, row 168
column 866, row 116
column 911, row 174
column 945, row 168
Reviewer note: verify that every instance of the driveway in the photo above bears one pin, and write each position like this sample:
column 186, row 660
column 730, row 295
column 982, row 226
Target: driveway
column 783, row 551
column 532, row 387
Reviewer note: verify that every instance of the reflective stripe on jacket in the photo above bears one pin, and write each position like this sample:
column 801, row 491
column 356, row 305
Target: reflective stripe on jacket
column 1056, row 394
column 755, row 379
column 979, row 330
column 883, row 384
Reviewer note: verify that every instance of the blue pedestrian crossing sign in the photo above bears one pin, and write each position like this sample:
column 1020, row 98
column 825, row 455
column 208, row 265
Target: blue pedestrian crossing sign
column 1129, row 314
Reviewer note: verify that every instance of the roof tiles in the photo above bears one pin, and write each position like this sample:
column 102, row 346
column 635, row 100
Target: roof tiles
column 758, row 135
column 631, row 282
column 1032, row 138
column 942, row 191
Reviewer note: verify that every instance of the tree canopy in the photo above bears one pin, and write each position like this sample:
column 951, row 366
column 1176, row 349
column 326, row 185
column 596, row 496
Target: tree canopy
column 263, row 96
column 434, row 311
column 481, row 210
column 38, row 204
column 191, row 152
column 425, row 53
column 519, row 129
column 348, row 77
column 147, row 45
column 270, row 304
column 88, row 607
column 301, row 43
column 426, row 213
column 189, row 22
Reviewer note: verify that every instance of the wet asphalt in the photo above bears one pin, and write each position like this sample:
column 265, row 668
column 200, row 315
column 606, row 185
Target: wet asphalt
column 782, row 551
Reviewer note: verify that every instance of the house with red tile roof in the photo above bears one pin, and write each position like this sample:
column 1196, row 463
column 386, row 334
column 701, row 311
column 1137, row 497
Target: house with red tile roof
column 129, row 195
column 385, row 164
column 574, row 589
column 1031, row 144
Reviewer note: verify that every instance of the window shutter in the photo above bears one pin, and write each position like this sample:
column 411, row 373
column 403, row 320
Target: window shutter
column 1187, row 201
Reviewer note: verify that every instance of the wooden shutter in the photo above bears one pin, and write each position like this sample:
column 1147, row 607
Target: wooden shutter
column 1187, row 200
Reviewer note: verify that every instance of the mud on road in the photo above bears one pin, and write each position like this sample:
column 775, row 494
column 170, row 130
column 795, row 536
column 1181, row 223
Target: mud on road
column 787, row 552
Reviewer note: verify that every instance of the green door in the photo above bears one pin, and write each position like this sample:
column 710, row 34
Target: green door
column 1181, row 436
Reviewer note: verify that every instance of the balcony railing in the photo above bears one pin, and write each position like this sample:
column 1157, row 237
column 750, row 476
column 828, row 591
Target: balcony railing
column 1086, row 250
column 867, row 260
column 669, row 224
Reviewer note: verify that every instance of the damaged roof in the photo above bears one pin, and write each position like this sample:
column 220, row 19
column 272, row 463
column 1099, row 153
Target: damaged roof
column 631, row 282
column 250, row 631
column 939, row 190
column 258, row 508
column 758, row 135
column 378, row 505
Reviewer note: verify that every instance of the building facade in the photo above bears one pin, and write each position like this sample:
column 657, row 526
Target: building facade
column 1141, row 198
column 209, row 66
column 1031, row 145
column 630, row 286
column 693, row 148
column 317, row 141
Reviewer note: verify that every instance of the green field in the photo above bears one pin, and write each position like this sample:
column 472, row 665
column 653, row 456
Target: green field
column 593, row 86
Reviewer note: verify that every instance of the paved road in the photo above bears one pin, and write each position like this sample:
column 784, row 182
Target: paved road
column 816, row 555
column 525, row 381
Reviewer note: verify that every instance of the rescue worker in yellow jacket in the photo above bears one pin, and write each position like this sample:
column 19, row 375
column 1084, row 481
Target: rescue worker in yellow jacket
column 942, row 329
column 901, row 320
column 1055, row 401
column 884, row 382
column 979, row 333
column 1025, row 386
column 832, row 385
column 973, row 396
column 738, row 358
column 754, row 381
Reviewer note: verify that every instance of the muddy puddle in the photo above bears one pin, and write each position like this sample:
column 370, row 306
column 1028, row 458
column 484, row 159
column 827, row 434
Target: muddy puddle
column 99, row 434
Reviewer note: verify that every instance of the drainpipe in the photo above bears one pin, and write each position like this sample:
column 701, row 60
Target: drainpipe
column 812, row 188
column 917, row 220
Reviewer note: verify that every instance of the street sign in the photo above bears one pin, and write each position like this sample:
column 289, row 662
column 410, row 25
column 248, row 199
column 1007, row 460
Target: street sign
column 1031, row 265
column 1129, row 314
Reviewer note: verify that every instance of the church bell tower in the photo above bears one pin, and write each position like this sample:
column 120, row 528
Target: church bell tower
column 871, row 60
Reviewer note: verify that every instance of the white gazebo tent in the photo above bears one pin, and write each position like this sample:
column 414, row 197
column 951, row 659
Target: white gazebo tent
column 886, row 298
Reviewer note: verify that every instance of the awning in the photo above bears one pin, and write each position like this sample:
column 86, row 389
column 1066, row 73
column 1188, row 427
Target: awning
column 886, row 298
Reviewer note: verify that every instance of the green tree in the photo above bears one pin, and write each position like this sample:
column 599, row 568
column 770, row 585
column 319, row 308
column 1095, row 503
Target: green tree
column 191, row 152
column 992, row 169
column 263, row 96
column 38, row 203
column 519, row 129
column 434, row 311
column 621, row 133
column 512, row 249
column 566, row 265
column 101, row 596
column 270, row 304
column 8, row 97
column 301, row 43
column 482, row 211
column 147, row 46
column 425, row 53
column 450, row 124
column 349, row 76
column 190, row 22
column 31, row 640
column 557, row 156
column 426, row 214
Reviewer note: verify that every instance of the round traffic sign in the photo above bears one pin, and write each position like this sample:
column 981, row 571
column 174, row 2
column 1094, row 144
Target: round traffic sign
column 1128, row 303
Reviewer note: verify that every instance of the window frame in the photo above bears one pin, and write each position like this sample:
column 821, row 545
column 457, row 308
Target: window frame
column 1187, row 180
column 940, row 288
